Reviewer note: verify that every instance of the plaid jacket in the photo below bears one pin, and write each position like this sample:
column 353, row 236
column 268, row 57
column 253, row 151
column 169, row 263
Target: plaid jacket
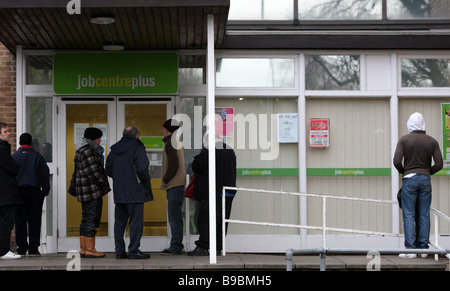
column 91, row 181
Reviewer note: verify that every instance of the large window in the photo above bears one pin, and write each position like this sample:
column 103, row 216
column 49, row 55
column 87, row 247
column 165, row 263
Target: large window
column 332, row 72
column 192, row 70
column 339, row 10
column 261, row 10
column 39, row 70
column 425, row 72
column 418, row 9
column 325, row 10
column 39, row 125
column 255, row 72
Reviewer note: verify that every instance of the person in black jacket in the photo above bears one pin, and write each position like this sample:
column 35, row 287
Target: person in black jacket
column 225, row 176
column 127, row 164
column 9, row 194
column 34, row 185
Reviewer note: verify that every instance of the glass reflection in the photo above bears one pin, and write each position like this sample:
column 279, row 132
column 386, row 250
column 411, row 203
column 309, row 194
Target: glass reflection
column 340, row 9
column 332, row 72
column 425, row 72
column 252, row 72
column 261, row 10
column 417, row 9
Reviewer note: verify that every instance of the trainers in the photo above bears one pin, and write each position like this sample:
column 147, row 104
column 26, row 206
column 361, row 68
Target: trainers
column 198, row 251
column 10, row 256
column 408, row 256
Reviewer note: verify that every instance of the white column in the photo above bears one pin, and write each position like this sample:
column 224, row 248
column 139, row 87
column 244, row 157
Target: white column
column 210, row 105
column 20, row 106
column 394, row 139
column 301, row 109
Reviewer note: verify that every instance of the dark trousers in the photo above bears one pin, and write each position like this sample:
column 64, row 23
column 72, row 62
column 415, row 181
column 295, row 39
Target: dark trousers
column 203, row 221
column 134, row 212
column 28, row 219
column 91, row 214
column 6, row 226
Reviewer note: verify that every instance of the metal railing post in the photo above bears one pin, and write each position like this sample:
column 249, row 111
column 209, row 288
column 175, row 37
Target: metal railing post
column 436, row 233
column 324, row 222
column 223, row 221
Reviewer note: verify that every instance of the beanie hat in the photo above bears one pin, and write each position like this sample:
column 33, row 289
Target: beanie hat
column 92, row 133
column 25, row 139
column 171, row 125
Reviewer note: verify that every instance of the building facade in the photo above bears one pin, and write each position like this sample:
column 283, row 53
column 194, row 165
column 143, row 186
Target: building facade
column 312, row 96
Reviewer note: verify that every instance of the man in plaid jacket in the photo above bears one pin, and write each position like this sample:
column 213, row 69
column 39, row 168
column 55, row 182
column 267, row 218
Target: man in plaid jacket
column 91, row 185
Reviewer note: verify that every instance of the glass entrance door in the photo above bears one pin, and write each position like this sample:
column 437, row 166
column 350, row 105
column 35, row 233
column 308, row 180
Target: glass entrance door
column 78, row 118
column 149, row 117
column 111, row 115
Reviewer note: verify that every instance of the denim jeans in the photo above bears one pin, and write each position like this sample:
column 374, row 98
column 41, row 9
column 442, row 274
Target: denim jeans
column 175, row 198
column 416, row 191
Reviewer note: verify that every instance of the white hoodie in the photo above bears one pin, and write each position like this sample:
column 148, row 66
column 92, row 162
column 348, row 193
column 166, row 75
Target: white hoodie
column 416, row 122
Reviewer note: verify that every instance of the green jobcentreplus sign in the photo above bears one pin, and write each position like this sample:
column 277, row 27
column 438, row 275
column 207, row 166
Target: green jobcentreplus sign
column 116, row 73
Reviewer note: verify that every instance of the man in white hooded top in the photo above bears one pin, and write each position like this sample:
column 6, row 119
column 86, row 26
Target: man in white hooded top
column 413, row 156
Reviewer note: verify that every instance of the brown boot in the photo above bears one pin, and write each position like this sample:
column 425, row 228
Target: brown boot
column 90, row 248
column 82, row 246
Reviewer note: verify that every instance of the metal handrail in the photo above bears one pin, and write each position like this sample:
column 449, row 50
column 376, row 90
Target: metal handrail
column 324, row 251
column 324, row 228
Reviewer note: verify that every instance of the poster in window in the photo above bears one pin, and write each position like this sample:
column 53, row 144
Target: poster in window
column 288, row 127
column 446, row 130
column 224, row 121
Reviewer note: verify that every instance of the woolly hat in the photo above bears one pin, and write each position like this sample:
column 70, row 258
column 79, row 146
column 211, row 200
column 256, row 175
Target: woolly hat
column 171, row 125
column 25, row 139
column 92, row 133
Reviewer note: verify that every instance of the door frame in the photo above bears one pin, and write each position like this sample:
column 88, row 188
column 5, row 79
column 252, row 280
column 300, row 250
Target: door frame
column 116, row 106
column 64, row 242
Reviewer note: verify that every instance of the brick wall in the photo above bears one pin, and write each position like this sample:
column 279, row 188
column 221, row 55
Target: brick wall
column 8, row 92
column 8, row 101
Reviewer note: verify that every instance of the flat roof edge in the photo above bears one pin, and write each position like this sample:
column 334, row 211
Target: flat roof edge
column 111, row 4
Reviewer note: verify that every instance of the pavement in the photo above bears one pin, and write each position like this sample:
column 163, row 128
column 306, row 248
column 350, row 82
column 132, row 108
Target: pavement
column 230, row 262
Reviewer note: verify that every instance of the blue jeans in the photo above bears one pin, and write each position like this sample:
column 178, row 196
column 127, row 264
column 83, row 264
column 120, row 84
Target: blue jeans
column 416, row 192
column 175, row 199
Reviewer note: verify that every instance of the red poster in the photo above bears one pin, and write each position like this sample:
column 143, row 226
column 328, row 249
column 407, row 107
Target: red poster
column 319, row 132
column 224, row 121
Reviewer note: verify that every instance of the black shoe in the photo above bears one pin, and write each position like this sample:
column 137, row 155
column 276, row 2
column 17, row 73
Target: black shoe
column 169, row 252
column 121, row 256
column 138, row 255
column 198, row 251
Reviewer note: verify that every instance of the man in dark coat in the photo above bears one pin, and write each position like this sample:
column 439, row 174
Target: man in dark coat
column 127, row 164
column 225, row 176
column 34, row 184
column 9, row 194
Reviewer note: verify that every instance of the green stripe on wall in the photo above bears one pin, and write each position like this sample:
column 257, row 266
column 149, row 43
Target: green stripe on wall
column 348, row 172
column 323, row 172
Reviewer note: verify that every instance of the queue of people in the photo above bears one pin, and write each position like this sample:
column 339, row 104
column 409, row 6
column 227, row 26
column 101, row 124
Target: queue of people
column 24, row 177
column 24, row 180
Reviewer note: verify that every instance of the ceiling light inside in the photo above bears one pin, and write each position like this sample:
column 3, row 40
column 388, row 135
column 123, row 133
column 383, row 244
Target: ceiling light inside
column 102, row 19
column 113, row 47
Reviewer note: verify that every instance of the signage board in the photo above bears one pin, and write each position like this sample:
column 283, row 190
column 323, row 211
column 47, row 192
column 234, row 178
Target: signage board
column 116, row 73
